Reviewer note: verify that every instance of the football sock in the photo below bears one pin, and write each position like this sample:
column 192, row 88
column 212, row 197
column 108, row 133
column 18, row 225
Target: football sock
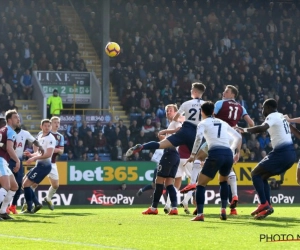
column 168, row 202
column 3, row 193
column 259, row 187
column 28, row 197
column 200, row 198
column 9, row 196
column 151, row 145
column 51, row 192
column 232, row 183
column 34, row 198
column 157, row 194
column 146, row 188
column 173, row 195
column 267, row 191
column 224, row 193
column 17, row 195
column 195, row 171
column 229, row 194
column 187, row 197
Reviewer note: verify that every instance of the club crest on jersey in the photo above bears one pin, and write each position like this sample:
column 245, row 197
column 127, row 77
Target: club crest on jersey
column 58, row 137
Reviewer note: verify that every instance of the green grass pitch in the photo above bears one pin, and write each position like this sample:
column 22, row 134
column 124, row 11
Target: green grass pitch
column 104, row 227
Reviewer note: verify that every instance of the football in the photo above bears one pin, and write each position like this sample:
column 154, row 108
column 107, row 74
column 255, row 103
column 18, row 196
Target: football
column 112, row 49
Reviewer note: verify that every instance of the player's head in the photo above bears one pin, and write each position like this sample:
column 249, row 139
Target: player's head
column 55, row 122
column 207, row 109
column 55, row 92
column 2, row 122
column 230, row 92
column 269, row 106
column 12, row 118
column 171, row 110
column 198, row 88
column 46, row 126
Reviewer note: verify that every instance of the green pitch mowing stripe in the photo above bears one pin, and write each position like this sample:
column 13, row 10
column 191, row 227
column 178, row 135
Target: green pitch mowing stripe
column 101, row 227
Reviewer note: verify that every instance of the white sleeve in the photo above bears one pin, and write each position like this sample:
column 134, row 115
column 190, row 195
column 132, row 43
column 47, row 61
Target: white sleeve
column 198, row 140
column 29, row 137
column 181, row 109
column 236, row 137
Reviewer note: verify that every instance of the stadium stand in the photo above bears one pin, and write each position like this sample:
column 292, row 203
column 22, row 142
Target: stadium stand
column 165, row 45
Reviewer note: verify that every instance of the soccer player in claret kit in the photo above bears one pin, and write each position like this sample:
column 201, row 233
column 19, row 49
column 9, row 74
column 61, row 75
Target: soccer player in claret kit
column 8, row 183
column 167, row 167
column 21, row 138
column 279, row 160
column 43, row 162
column 219, row 159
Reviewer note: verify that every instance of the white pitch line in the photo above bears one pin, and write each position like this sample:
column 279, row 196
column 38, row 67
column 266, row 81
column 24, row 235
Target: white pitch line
column 64, row 242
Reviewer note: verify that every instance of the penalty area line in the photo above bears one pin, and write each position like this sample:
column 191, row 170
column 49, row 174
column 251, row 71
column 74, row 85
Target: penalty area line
column 64, row 242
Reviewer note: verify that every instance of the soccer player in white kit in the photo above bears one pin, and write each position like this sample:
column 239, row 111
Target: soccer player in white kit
column 279, row 160
column 219, row 159
column 43, row 162
column 167, row 168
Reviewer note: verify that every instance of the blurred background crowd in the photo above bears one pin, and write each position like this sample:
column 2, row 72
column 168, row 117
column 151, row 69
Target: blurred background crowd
column 165, row 46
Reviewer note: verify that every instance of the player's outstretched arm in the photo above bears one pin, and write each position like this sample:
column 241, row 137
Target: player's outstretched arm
column 292, row 120
column 295, row 131
column 256, row 129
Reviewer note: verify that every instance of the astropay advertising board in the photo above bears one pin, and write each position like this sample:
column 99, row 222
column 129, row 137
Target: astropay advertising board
column 68, row 84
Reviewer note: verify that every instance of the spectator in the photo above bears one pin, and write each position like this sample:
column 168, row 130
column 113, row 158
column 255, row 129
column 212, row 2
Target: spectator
column 5, row 88
column 145, row 104
column 71, row 156
column 117, row 151
column 245, row 153
column 54, row 104
column 147, row 127
column 263, row 140
column 101, row 143
column 15, row 83
column 134, row 128
column 88, row 141
column 79, row 150
column 27, row 85
column 83, row 129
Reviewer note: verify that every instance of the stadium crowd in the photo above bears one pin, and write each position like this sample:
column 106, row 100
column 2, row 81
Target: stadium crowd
column 165, row 46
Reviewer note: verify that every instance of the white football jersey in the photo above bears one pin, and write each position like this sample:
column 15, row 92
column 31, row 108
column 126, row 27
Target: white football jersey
column 21, row 139
column 191, row 110
column 279, row 130
column 46, row 142
column 217, row 134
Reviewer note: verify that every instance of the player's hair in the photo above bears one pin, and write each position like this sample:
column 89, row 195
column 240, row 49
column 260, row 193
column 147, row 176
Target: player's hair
column 10, row 113
column 171, row 105
column 233, row 89
column 270, row 103
column 53, row 118
column 2, row 122
column 199, row 86
column 208, row 108
column 45, row 121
